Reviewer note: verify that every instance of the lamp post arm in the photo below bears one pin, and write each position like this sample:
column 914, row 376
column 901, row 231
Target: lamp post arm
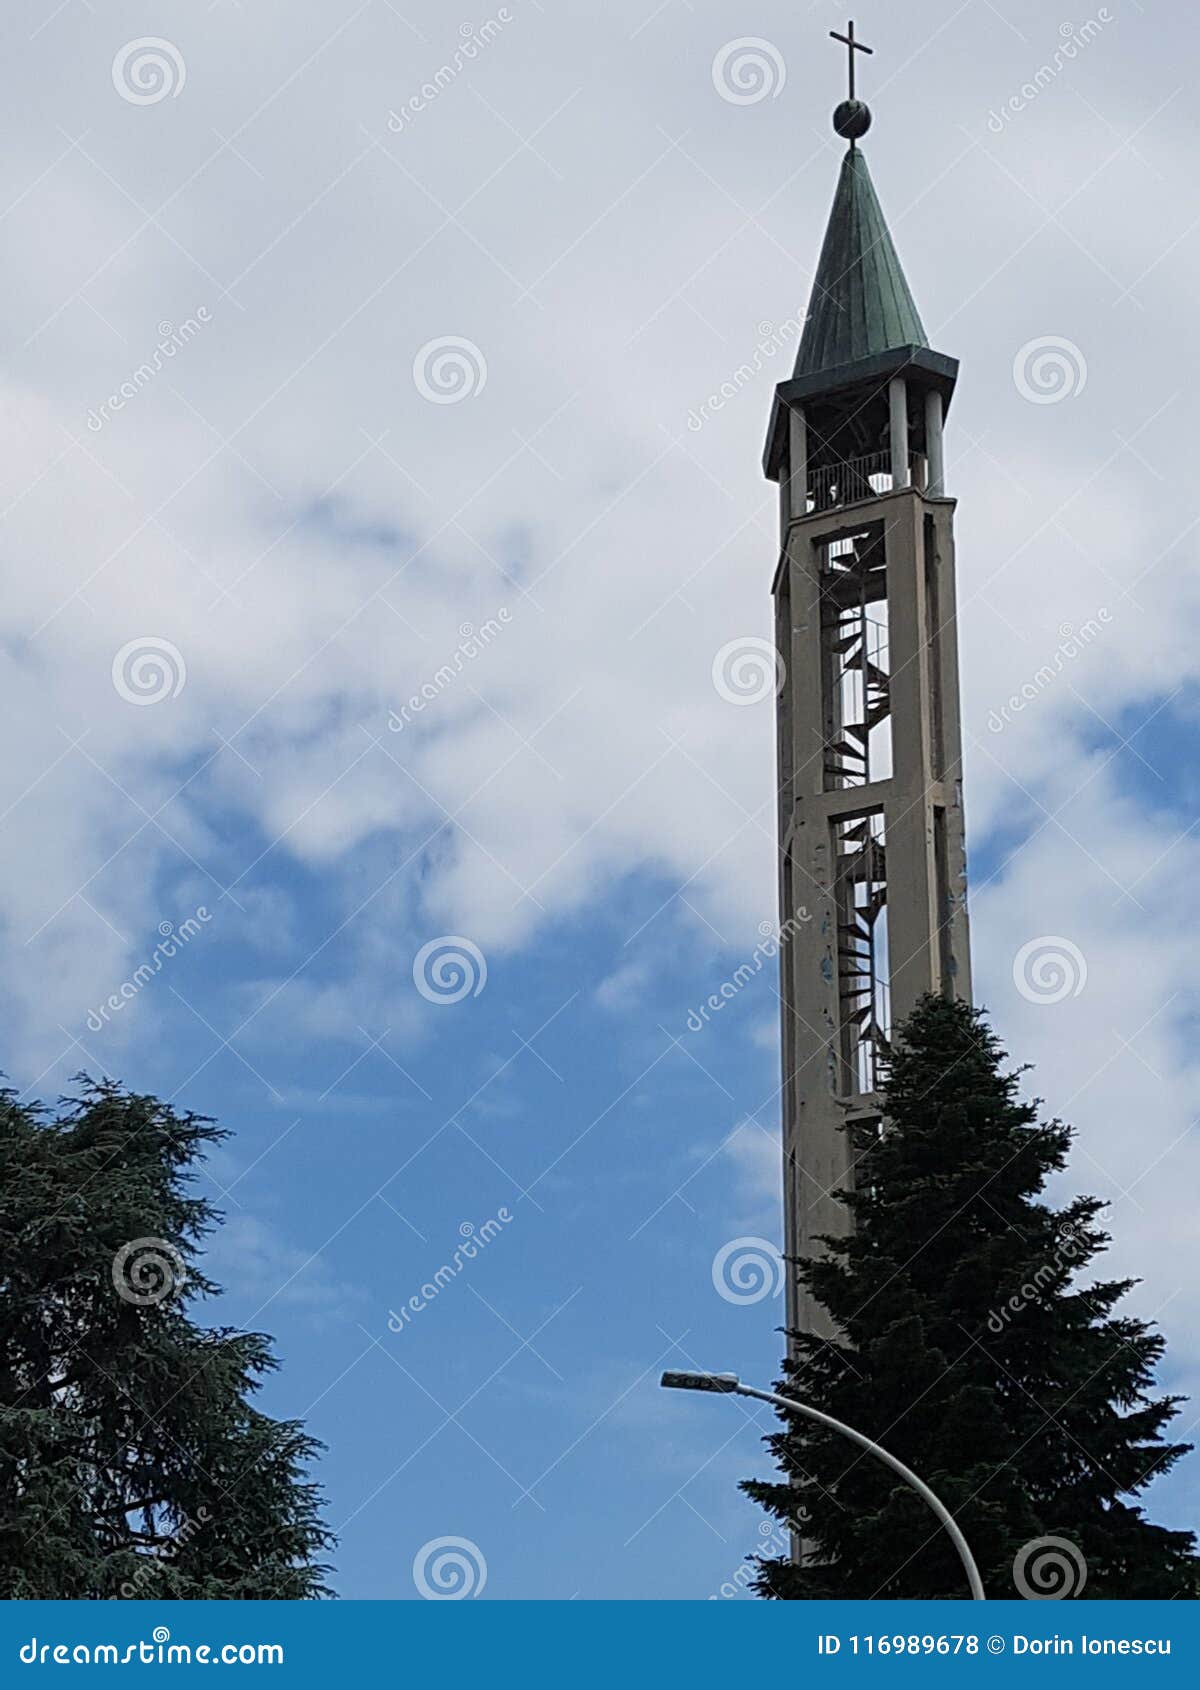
column 791, row 1406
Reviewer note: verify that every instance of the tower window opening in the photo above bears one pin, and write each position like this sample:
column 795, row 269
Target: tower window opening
column 855, row 651
column 860, row 888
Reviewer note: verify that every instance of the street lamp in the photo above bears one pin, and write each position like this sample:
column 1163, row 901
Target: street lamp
column 730, row 1383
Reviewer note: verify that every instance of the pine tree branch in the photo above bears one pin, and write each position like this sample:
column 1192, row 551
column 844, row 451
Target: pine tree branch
column 118, row 1508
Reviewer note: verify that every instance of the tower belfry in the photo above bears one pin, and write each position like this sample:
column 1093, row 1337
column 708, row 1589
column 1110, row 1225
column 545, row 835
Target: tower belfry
column 869, row 741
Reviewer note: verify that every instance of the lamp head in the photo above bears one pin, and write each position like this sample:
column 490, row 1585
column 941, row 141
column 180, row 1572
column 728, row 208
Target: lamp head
column 700, row 1381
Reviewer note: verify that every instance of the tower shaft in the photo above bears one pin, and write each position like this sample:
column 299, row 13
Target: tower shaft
column 872, row 861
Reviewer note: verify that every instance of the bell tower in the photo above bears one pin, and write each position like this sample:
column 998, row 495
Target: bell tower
column 869, row 742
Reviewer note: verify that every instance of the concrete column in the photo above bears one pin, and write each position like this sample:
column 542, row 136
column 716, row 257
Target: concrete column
column 797, row 462
column 911, row 890
column 898, row 412
column 934, row 451
column 943, row 642
column 818, row 1156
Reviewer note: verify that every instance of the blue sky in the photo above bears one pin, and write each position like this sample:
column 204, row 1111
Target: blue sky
column 433, row 378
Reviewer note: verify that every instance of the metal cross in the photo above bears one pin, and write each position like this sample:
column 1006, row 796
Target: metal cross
column 852, row 47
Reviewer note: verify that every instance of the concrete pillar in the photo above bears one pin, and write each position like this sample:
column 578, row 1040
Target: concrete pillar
column 797, row 462
column 911, row 869
column 898, row 415
column 934, row 449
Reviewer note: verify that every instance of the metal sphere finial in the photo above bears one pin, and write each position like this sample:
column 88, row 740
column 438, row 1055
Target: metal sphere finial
column 852, row 119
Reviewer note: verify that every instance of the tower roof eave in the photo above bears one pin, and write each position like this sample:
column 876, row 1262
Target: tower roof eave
column 866, row 375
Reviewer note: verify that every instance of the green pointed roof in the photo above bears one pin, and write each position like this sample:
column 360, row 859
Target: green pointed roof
column 860, row 304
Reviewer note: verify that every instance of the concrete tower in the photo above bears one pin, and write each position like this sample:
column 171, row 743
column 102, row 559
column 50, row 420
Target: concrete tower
column 872, row 864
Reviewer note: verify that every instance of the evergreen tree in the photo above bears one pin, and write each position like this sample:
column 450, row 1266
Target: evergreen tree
column 132, row 1459
column 969, row 1350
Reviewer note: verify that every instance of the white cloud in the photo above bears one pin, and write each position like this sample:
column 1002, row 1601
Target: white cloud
column 622, row 989
column 755, row 1155
column 285, row 508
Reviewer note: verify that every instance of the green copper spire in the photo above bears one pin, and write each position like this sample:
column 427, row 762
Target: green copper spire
column 864, row 359
column 860, row 304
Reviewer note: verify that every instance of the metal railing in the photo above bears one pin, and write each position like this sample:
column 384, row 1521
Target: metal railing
column 854, row 480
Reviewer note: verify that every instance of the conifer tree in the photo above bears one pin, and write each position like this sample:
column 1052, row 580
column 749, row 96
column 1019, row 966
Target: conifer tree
column 133, row 1461
column 972, row 1345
